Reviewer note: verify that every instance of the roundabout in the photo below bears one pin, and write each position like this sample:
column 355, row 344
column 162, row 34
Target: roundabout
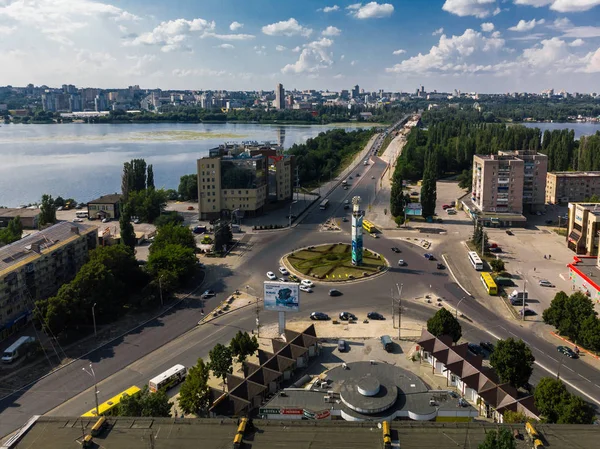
column 333, row 263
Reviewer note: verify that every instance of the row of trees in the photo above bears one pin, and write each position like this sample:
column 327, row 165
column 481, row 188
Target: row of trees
column 320, row 158
column 140, row 198
column 188, row 187
column 575, row 318
column 12, row 232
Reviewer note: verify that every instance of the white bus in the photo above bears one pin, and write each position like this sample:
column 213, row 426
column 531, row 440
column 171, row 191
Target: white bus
column 14, row 351
column 81, row 214
column 324, row 204
column 168, row 379
column 475, row 260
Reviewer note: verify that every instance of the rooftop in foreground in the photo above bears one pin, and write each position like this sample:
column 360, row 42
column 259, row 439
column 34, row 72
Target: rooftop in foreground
column 167, row 433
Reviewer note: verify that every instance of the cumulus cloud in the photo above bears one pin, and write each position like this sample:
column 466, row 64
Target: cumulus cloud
column 372, row 10
column 438, row 31
column 458, row 54
column 173, row 35
column 561, row 5
column 577, row 43
column 315, row 56
column 329, row 8
column 399, row 52
column 525, row 25
column 487, row 27
column 552, row 53
column 226, row 46
column 280, row 48
column 236, row 26
column 260, row 50
column 476, row 8
column 331, row 31
column 565, row 26
column 228, row 37
column 289, row 27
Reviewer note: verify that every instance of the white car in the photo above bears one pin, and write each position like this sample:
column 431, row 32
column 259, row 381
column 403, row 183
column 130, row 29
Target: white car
column 305, row 288
column 401, row 263
column 77, row 220
column 271, row 275
column 307, row 283
column 283, row 271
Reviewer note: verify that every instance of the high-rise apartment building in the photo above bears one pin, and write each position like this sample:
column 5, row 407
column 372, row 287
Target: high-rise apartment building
column 355, row 92
column 571, row 187
column 36, row 266
column 279, row 96
column 507, row 183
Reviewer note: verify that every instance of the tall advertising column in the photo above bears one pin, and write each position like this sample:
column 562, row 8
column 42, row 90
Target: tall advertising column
column 357, row 232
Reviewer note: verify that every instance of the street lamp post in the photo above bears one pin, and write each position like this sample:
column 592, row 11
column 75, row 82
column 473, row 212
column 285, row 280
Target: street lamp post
column 257, row 312
column 400, row 310
column 93, row 375
column 462, row 299
column 160, row 289
column 94, row 319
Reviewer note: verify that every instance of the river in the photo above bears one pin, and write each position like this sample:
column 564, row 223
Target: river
column 581, row 129
column 85, row 161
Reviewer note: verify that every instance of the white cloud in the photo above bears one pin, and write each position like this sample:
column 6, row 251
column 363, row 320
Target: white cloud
column 563, row 22
column 561, row 5
column 577, row 43
column 476, row 8
column 353, row 63
column 289, row 27
column 7, row 29
column 372, row 10
column 339, row 76
column 280, row 48
column 487, row 27
column 592, row 62
column 399, row 52
column 226, row 46
column 296, row 49
column 342, row 57
column 438, row 31
column 330, row 8
column 260, row 50
column 456, row 54
column 565, row 26
column 551, row 53
column 228, row 37
column 529, row 37
column 172, row 35
column 331, row 31
column 525, row 25
column 199, row 72
column 314, row 57
column 236, row 26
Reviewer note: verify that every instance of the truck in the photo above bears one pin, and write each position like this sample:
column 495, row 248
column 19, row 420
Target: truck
column 14, row 351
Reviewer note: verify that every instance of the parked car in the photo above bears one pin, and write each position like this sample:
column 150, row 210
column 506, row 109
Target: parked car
column 488, row 346
column 401, row 263
column 414, row 193
column 271, row 275
column 567, row 351
column 518, row 302
column 396, row 250
column 319, row 316
column 199, row 230
column 427, row 255
column 335, row 292
column 293, row 278
column 341, row 345
column 545, row 283
column 357, row 175
column 372, row 177
column 446, row 206
column 375, row 316
column 346, row 206
column 497, row 249
column 375, row 236
column 190, row 208
column 347, row 202
column 452, row 203
column 305, row 288
column 283, row 271
column 307, row 283
column 345, row 187
column 345, row 219
column 105, row 220
column 451, row 211
column 528, row 312
column 208, row 294
column 282, row 280
column 347, row 316
column 475, row 349
column 387, row 343
column 440, row 266
column 77, row 220
column 509, row 232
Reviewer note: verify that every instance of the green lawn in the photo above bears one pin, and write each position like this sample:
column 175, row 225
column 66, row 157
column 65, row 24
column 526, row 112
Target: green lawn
column 334, row 262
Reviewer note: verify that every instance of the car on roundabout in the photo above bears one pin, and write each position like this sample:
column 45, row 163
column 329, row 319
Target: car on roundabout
column 347, row 316
column 375, row 316
column 293, row 278
column 284, row 271
column 335, row 292
column 319, row 316
column 271, row 276
column 307, row 282
column 305, row 288
column 396, row 249
column 401, row 263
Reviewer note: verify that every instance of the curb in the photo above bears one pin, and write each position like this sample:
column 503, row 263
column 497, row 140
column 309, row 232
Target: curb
column 208, row 318
column 454, row 277
column 24, row 387
column 554, row 334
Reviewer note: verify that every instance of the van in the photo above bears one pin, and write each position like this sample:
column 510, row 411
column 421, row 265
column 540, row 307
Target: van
column 14, row 351
column 387, row 343
column 518, row 295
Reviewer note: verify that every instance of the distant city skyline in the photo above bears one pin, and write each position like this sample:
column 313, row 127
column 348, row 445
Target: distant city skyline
column 486, row 46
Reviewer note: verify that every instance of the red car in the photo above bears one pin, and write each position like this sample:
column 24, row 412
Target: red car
column 446, row 206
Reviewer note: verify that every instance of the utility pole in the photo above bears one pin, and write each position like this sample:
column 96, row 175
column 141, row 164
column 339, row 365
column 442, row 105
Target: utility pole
column 94, row 319
column 160, row 289
column 290, row 216
column 393, row 307
column 400, row 310
column 524, row 296
column 257, row 312
column 482, row 241
column 93, row 375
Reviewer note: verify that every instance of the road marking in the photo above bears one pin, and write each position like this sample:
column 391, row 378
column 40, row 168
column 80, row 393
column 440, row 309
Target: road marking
column 571, row 370
column 585, row 378
column 549, row 356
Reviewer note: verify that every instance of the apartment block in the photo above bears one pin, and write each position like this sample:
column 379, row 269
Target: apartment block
column 244, row 178
column 584, row 225
column 571, row 187
column 36, row 266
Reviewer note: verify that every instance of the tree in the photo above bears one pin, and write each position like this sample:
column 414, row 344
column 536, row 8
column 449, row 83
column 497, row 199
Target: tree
column 146, row 404
column 444, row 323
column 134, row 177
column 498, row 439
column 47, row 211
column 150, row 178
column 242, row 345
column 172, row 261
column 397, row 196
column 510, row 417
column 497, row 265
column 223, row 236
column 174, row 234
column 127, row 233
column 221, row 361
column 147, row 204
column 549, row 395
column 428, row 187
column 194, row 395
column 590, row 333
column 568, row 315
column 576, row 411
column 513, row 361
column 188, row 187
column 465, row 179
column 171, row 217
column 59, row 201
column 554, row 314
column 12, row 232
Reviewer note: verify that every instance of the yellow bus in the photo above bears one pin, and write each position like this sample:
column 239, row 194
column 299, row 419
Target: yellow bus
column 488, row 282
column 108, row 407
column 368, row 226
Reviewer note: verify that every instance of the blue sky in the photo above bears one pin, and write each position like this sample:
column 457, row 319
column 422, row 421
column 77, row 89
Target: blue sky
column 471, row 45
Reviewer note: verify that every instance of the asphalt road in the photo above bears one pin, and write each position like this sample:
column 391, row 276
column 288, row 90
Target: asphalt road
column 121, row 364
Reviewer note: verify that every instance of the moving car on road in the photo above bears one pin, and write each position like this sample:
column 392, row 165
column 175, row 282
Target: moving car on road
column 283, row 271
column 475, row 349
column 396, row 250
column 347, row 316
column 341, row 345
column 307, row 283
column 271, row 275
column 319, row 316
column 375, row 316
column 488, row 346
column 567, row 351
column 305, row 288
column 208, row 294
column 440, row 266
column 335, row 292
column 429, row 256
column 293, row 278
column 545, row 283
column 401, row 263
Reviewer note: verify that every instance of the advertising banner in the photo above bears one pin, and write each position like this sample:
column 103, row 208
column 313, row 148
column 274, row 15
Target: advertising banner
column 292, row 411
column 282, row 296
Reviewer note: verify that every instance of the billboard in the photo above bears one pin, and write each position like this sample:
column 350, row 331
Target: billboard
column 282, row 296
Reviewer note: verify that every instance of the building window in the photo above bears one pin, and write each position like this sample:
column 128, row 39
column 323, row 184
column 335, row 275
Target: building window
column 212, row 165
